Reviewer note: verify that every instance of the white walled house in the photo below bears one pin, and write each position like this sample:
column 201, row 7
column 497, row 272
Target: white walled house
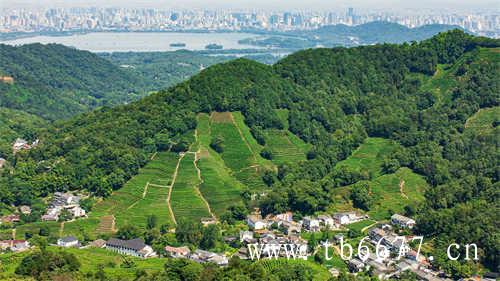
column 77, row 212
column 256, row 222
column 68, row 241
column 402, row 221
column 135, row 247
column 327, row 221
column 311, row 224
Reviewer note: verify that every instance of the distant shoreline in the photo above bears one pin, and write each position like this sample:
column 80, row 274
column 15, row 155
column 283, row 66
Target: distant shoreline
column 10, row 36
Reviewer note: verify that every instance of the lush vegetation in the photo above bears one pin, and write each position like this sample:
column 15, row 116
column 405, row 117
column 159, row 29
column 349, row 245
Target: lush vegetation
column 344, row 35
column 334, row 99
column 163, row 69
column 54, row 81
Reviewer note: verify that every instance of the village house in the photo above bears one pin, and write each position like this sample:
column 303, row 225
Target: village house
column 135, row 247
column 26, row 210
column 347, row 217
column 51, row 215
column 334, row 272
column 356, row 265
column 14, row 245
column 402, row 221
column 288, row 216
column 246, row 236
column 202, row 256
column 290, row 227
column 62, row 201
column 327, row 222
column 99, row 243
column 208, row 221
column 68, row 242
column 177, row 252
column 12, row 218
column 338, row 237
column 7, row 79
column 77, row 212
column 376, row 234
column 21, row 144
column 311, row 224
column 256, row 222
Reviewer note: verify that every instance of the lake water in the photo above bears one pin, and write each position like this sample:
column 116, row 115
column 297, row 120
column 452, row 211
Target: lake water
column 140, row 41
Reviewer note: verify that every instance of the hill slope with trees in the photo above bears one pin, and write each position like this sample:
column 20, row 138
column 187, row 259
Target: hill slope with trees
column 335, row 99
column 54, row 81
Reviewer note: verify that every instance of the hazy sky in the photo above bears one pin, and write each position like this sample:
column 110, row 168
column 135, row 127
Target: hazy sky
column 492, row 5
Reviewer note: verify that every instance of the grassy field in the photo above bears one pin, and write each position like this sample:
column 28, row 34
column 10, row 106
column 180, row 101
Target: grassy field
column 320, row 272
column 483, row 120
column 369, row 157
column 128, row 204
column 285, row 146
column 184, row 200
column 219, row 188
column 90, row 259
column 358, row 226
column 386, row 194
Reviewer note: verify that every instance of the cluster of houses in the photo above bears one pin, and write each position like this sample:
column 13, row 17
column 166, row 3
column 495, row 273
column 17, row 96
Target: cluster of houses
column 269, row 239
column 311, row 224
column 384, row 267
column 198, row 255
column 14, row 245
column 21, row 144
column 63, row 201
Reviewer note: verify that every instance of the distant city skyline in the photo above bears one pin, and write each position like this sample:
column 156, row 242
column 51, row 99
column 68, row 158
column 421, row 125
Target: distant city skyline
column 492, row 6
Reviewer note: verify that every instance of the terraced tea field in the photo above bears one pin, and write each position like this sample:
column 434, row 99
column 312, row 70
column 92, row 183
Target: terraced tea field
column 391, row 193
column 370, row 155
column 143, row 195
column 185, row 201
column 285, row 146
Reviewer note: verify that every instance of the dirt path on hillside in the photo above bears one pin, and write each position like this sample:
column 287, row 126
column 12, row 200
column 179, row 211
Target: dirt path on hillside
column 401, row 188
column 198, row 172
column 367, row 227
column 197, row 187
column 243, row 138
column 145, row 190
column 174, row 177
column 153, row 156
column 61, row 230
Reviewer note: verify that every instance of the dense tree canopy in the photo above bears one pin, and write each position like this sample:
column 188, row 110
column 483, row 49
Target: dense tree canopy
column 335, row 99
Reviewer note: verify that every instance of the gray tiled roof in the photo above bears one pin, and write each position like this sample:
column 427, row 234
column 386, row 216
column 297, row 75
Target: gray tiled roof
column 134, row 244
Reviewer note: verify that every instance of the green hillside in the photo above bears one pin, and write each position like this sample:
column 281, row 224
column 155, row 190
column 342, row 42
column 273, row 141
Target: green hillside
column 143, row 195
column 186, row 202
column 16, row 124
column 219, row 187
column 369, row 156
column 387, row 194
column 54, row 81
column 485, row 119
column 362, row 108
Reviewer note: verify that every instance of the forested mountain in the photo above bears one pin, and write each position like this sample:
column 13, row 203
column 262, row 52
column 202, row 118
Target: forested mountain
column 54, row 81
column 344, row 35
column 163, row 69
column 419, row 95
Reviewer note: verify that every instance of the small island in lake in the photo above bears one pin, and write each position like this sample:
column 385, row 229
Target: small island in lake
column 177, row 45
column 213, row 46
